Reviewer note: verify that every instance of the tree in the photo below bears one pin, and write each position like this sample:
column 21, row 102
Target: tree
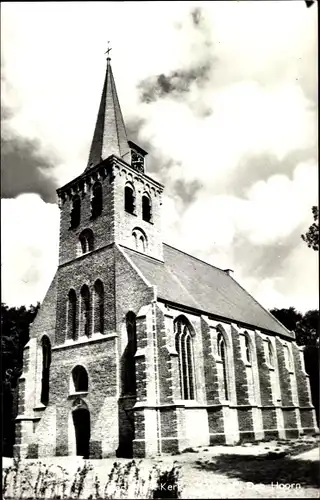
column 312, row 235
column 288, row 317
column 305, row 325
column 15, row 322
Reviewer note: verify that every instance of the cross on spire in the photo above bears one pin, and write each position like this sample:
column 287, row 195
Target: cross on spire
column 108, row 51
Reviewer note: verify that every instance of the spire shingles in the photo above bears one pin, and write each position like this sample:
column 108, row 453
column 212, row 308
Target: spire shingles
column 110, row 135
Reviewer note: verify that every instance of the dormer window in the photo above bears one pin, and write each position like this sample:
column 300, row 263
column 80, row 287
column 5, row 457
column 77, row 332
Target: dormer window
column 137, row 157
column 137, row 161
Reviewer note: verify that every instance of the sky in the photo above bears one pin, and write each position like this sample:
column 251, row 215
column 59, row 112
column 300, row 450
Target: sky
column 223, row 96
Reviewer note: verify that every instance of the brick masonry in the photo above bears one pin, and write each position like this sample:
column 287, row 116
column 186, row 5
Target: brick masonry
column 154, row 419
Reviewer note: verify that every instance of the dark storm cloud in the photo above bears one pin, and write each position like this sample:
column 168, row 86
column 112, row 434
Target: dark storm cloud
column 254, row 168
column 196, row 15
column 21, row 164
column 176, row 82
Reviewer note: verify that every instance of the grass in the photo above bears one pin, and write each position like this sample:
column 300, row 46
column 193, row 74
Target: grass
column 267, row 462
column 36, row 480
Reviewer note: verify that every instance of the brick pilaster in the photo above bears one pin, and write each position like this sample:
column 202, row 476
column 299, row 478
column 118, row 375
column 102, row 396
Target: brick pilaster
column 269, row 418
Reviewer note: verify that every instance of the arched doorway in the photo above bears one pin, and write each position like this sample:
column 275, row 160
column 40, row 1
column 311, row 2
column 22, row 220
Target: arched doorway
column 81, row 421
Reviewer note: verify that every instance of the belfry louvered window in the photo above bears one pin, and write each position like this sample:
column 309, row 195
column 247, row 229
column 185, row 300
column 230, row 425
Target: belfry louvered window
column 75, row 212
column 96, row 201
column 184, row 348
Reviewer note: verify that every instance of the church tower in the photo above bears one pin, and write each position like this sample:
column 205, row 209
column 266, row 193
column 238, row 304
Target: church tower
column 113, row 200
column 138, row 348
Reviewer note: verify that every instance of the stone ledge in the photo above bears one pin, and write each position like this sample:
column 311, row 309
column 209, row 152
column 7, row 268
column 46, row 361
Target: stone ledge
column 87, row 340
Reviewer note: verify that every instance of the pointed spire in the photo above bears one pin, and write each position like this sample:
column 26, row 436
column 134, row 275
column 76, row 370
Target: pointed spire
column 110, row 135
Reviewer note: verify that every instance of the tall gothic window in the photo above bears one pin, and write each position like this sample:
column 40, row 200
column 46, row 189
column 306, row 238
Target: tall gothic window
column 129, row 375
column 96, row 202
column 129, row 199
column 184, row 348
column 271, row 359
column 75, row 212
column 146, row 207
column 222, row 353
column 249, row 369
column 288, row 357
column 80, row 379
column 72, row 315
column 85, row 311
column 46, row 361
column 98, row 307
column 247, row 347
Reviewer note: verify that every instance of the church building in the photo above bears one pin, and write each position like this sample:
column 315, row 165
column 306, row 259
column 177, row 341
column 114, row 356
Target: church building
column 140, row 349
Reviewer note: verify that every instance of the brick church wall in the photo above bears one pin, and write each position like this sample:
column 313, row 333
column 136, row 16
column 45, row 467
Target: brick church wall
column 268, row 410
column 307, row 414
column 288, row 410
column 243, row 403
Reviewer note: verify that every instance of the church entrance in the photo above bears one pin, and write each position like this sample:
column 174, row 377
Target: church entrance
column 81, row 421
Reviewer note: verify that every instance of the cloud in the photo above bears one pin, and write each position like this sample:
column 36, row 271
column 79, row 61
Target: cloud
column 25, row 168
column 223, row 96
column 29, row 236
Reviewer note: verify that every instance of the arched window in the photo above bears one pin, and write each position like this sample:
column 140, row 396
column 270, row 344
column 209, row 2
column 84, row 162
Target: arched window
column 140, row 240
column 98, row 307
column 184, row 347
column 80, row 379
column 142, row 244
column 271, row 359
column 72, row 315
column 129, row 381
column 247, row 348
column 129, row 199
column 75, row 212
column 96, row 202
column 288, row 357
column 46, row 361
column 85, row 311
column 86, row 241
column 146, row 207
column 222, row 353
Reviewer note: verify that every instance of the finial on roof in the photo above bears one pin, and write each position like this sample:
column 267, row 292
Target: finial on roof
column 108, row 52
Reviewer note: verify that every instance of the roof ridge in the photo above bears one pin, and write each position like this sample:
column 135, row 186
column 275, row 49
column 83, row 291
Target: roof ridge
column 197, row 258
column 263, row 308
column 242, row 288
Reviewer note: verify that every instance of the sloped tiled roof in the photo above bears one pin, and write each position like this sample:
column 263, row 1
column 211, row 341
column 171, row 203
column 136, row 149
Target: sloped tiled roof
column 188, row 281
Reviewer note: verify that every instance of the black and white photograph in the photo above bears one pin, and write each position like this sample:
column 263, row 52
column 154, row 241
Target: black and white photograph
column 159, row 249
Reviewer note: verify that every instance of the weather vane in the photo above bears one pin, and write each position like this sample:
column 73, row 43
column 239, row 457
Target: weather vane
column 108, row 50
